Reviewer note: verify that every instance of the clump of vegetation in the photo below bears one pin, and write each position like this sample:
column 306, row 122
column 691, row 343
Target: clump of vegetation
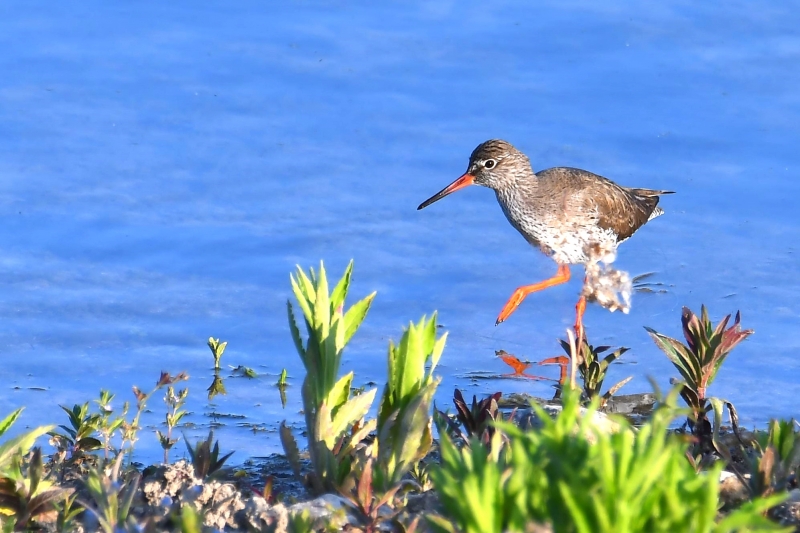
column 130, row 430
column 109, row 423
column 571, row 476
column 707, row 346
column 111, row 496
column 78, row 438
column 404, row 435
column 26, row 495
column 593, row 365
column 473, row 422
column 205, row 457
column 333, row 417
column 773, row 459
column 335, row 421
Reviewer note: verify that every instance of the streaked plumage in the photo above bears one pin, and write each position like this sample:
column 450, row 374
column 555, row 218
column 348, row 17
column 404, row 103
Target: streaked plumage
column 563, row 211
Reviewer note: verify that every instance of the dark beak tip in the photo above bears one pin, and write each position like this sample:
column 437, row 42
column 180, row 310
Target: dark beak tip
column 426, row 203
column 460, row 183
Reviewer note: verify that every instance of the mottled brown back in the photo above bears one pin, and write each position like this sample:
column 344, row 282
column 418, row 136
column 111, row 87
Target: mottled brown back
column 620, row 209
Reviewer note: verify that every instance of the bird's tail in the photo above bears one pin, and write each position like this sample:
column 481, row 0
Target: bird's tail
column 650, row 196
column 649, row 193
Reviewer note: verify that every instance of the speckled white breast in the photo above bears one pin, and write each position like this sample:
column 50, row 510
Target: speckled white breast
column 566, row 241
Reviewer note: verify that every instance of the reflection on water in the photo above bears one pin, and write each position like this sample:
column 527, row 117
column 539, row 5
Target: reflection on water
column 163, row 169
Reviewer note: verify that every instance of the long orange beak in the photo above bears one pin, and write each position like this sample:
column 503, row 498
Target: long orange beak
column 460, row 183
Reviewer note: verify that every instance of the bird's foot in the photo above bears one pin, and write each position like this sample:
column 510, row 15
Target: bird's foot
column 511, row 305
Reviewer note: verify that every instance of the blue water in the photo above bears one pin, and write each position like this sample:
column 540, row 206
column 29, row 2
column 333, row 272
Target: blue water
column 163, row 167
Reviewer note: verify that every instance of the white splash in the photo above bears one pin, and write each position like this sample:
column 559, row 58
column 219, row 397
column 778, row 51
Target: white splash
column 605, row 285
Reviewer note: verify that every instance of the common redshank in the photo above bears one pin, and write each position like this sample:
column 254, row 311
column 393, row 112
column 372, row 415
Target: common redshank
column 563, row 211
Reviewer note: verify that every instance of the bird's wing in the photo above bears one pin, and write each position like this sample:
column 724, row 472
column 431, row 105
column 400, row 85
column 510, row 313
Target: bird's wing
column 614, row 207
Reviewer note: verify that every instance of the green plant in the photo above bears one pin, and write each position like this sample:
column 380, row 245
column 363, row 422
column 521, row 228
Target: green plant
column 68, row 512
column 282, row 379
column 175, row 413
column 21, row 494
column 774, row 459
column 574, row 477
column 473, row 487
column 217, row 349
column 20, row 444
column 698, row 361
column 404, row 418
column 111, row 496
column 420, row 474
column 333, row 418
column 27, row 495
column 109, row 424
column 281, row 384
column 475, row 421
column 205, row 458
column 131, row 430
column 300, row 522
column 593, row 367
column 79, row 437
column 367, row 503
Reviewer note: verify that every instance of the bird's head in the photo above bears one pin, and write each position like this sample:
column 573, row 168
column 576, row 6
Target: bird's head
column 495, row 164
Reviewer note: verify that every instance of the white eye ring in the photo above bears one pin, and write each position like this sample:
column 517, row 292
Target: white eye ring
column 489, row 163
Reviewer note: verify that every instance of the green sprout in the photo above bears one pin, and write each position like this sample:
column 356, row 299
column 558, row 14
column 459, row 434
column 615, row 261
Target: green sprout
column 217, row 349
column 175, row 413
column 282, row 379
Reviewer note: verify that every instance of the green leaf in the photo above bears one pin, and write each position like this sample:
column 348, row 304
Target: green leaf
column 340, row 291
column 751, row 516
column 350, row 413
column 45, row 500
column 679, row 355
column 322, row 308
column 440, row 524
column 340, row 392
column 190, row 520
column 298, row 341
column 357, row 437
column 613, row 390
column 438, row 349
column 717, row 405
column 8, row 421
column 304, row 293
column 404, row 437
column 20, row 444
column 290, row 448
column 355, row 316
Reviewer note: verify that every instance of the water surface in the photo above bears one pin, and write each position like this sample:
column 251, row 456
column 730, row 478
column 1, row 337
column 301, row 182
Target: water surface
column 164, row 167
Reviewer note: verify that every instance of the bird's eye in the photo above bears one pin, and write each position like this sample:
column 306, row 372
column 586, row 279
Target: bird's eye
column 489, row 163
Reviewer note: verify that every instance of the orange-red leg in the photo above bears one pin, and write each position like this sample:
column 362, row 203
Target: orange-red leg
column 580, row 307
column 562, row 276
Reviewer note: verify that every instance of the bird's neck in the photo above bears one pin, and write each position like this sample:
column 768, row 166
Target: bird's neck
column 520, row 184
